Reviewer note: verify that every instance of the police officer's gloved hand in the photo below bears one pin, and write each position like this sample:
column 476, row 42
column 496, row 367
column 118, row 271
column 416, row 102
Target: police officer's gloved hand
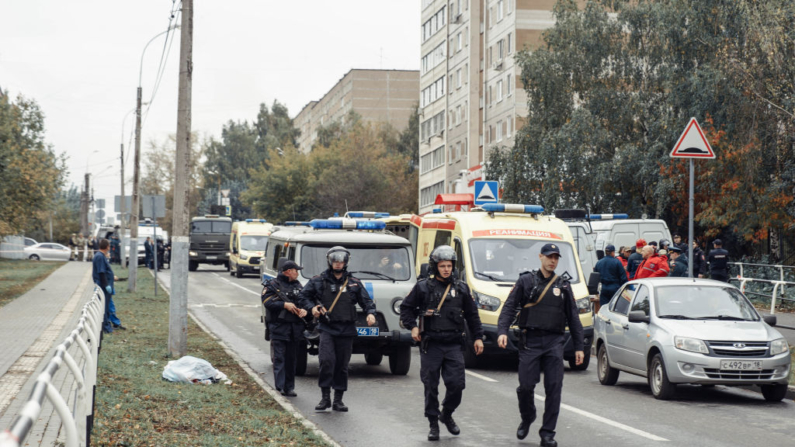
column 108, row 289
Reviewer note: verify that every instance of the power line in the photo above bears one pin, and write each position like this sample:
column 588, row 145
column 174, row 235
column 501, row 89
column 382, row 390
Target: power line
column 163, row 57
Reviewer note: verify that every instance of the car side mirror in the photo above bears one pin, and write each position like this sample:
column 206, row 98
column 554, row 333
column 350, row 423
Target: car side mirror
column 424, row 271
column 771, row 320
column 638, row 316
column 593, row 283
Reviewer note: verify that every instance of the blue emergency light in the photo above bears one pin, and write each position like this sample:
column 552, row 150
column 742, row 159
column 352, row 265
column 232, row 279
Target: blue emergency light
column 366, row 214
column 512, row 208
column 437, row 210
column 607, row 216
column 347, row 224
column 256, row 220
column 295, row 223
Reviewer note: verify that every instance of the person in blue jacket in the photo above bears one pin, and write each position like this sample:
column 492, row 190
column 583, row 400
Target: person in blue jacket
column 104, row 278
column 612, row 272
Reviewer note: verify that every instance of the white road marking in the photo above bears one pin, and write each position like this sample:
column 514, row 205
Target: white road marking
column 223, row 305
column 604, row 420
column 236, row 285
column 481, row 377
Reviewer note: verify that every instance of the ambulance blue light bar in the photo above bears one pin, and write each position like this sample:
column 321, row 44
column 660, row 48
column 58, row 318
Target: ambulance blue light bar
column 437, row 210
column 512, row 208
column 256, row 220
column 347, row 224
column 607, row 216
column 366, row 215
column 295, row 223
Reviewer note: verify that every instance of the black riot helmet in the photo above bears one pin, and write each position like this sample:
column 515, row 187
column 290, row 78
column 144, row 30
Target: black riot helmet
column 664, row 243
column 439, row 254
column 338, row 254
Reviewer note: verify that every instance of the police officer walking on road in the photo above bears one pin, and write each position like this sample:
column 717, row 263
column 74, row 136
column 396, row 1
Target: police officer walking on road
column 285, row 325
column 718, row 260
column 444, row 306
column 331, row 297
column 545, row 303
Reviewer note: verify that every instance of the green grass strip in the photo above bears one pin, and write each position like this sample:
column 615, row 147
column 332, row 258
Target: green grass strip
column 136, row 406
column 19, row 276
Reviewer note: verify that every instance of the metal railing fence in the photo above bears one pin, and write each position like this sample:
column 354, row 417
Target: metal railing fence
column 78, row 420
column 777, row 293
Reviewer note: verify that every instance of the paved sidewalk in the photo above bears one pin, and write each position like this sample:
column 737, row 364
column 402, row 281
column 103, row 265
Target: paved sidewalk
column 31, row 327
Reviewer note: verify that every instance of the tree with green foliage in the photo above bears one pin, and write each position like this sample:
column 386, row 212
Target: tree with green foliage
column 608, row 96
column 31, row 174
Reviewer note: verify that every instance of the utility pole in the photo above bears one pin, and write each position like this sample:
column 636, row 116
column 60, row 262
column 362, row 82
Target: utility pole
column 84, row 208
column 121, row 224
column 178, row 304
column 133, row 275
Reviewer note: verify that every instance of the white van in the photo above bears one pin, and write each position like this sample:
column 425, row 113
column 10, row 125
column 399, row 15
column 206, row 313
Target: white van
column 619, row 230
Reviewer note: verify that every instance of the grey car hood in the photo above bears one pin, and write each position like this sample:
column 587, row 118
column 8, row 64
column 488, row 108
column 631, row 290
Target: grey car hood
column 720, row 330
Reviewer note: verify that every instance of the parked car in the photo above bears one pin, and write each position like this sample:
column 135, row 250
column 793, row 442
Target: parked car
column 47, row 251
column 696, row 331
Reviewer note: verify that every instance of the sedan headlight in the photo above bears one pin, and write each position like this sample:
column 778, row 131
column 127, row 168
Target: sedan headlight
column 778, row 346
column 691, row 344
column 243, row 257
column 193, row 253
column 584, row 305
column 487, row 302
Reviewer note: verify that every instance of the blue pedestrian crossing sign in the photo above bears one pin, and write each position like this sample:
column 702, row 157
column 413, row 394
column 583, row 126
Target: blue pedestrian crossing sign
column 486, row 192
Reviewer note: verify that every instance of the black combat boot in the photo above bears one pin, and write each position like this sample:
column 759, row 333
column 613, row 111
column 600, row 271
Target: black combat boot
column 447, row 420
column 325, row 402
column 338, row 405
column 526, row 410
column 548, row 441
column 433, row 435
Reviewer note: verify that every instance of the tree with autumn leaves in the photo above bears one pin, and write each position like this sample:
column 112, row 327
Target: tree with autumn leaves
column 615, row 83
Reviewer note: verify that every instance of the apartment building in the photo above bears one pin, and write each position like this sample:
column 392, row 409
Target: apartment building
column 471, row 96
column 387, row 96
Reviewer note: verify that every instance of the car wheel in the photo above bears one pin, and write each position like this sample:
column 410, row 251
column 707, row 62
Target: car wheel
column 660, row 386
column 34, row 257
column 774, row 393
column 400, row 360
column 301, row 357
column 607, row 374
column 193, row 265
column 585, row 361
column 238, row 272
column 373, row 358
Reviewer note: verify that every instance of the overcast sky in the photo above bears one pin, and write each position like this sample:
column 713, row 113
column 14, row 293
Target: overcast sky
column 79, row 60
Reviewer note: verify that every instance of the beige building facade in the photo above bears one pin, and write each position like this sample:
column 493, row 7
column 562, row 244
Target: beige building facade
column 471, row 95
column 388, row 96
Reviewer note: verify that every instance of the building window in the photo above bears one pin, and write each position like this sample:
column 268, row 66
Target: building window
column 466, row 72
column 509, row 84
column 432, row 160
column 466, row 36
column 510, row 6
column 491, row 96
column 499, row 131
column 432, row 126
column 458, row 78
column 460, row 43
column 500, row 49
column 510, row 42
column 433, row 58
column 428, row 195
column 434, row 24
column 465, row 147
column 452, row 119
column 458, row 116
column 432, row 92
column 510, row 127
column 500, row 10
column 499, row 90
column 458, row 151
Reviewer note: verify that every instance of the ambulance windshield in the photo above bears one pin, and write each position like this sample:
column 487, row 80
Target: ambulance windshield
column 503, row 260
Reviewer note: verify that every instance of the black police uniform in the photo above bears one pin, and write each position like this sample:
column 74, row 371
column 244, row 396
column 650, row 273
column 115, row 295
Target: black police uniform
column 336, row 333
column 718, row 261
column 633, row 262
column 699, row 262
column 286, row 329
column 542, row 329
column 678, row 267
column 443, row 338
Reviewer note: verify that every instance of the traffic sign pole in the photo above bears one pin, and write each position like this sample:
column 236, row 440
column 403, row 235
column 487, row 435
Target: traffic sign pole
column 690, row 233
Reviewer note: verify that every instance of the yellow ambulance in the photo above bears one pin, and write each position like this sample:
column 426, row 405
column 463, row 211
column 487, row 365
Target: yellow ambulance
column 247, row 245
column 494, row 244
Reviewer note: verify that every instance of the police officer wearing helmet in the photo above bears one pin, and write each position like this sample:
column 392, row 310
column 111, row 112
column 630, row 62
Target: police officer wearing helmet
column 331, row 297
column 444, row 306
column 545, row 304
column 285, row 326
column 718, row 260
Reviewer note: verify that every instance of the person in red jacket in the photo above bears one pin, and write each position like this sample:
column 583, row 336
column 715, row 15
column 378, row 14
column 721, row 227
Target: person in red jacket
column 653, row 266
column 624, row 258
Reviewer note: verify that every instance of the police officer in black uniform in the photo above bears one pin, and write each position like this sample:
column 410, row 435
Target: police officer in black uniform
column 546, row 306
column 284, row 324
column 444, row 306
column 331, row 297
column 677, row 263
column 718, row 260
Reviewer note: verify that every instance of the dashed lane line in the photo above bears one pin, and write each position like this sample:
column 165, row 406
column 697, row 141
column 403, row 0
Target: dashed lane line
column 236, row 285
column 480, row 376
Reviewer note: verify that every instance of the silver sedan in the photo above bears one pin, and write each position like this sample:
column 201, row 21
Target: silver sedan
column 47, row 251
column 700, row 331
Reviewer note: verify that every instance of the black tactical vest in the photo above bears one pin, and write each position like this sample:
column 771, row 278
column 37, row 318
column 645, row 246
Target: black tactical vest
column 549, row 314
column 450, row 317
column 345, row 310
column 285, row 291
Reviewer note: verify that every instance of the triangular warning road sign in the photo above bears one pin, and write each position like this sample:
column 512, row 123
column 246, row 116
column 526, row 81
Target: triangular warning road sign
column 486, row 193
column 692, row 143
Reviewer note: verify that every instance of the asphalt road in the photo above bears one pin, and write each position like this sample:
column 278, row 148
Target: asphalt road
column 387, row 410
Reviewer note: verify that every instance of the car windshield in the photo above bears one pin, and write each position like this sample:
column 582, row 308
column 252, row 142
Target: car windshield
column 503, row 260
column 370, row 262
column 253, row 243
column 703, row 303
column 206, row 226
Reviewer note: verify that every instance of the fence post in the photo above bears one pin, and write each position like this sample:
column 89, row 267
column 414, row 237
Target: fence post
column 773, row 300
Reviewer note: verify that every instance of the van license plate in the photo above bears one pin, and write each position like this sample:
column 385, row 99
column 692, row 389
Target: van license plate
column 737, row 365
column 212, row 257
column 367, row 331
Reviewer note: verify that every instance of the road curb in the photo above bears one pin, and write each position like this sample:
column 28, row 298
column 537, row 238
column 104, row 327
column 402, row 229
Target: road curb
column 286, row 404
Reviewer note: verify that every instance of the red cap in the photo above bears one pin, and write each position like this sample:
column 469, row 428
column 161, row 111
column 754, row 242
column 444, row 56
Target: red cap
column 640, row 243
